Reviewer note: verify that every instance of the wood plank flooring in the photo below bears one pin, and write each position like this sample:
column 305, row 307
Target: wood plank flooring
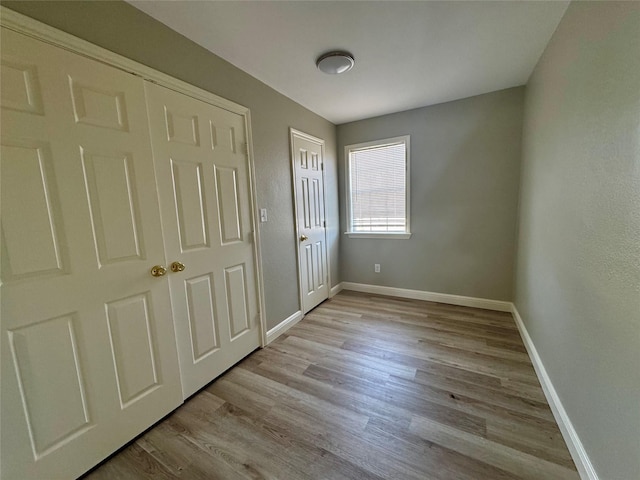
column 365, row 387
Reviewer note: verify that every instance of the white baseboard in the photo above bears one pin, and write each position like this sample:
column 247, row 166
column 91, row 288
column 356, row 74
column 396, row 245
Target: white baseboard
column 497, row 305
column 578, row 453
column 289, row 322
column 283, row 326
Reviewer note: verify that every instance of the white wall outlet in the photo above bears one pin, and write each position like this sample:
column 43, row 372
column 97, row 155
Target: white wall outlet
column 376, row 267
column 263, row 215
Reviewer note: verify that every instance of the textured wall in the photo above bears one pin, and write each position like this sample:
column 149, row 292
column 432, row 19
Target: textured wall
column 121, row 28
column 578, row 266
column 465, row 167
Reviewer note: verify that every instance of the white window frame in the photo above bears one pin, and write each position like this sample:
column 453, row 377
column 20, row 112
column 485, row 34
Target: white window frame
column 378, row 143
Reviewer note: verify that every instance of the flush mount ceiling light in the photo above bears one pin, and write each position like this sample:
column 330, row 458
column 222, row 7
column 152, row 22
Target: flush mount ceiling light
column 335, row 62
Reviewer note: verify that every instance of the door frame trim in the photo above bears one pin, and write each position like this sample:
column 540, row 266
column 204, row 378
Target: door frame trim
column 33, row 28
column 292, row 134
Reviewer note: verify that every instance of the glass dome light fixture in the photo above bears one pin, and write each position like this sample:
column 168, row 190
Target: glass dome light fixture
column 336, row 62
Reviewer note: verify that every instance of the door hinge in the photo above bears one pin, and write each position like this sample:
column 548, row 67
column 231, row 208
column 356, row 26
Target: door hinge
column 322, row 166
column 324, row 223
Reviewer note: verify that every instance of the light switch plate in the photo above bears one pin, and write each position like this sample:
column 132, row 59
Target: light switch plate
column 263, row 215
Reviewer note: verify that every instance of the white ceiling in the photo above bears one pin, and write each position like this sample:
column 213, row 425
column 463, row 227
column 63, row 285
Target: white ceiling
column 408, row 54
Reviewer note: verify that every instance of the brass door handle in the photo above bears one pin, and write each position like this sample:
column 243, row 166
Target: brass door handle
column 158, row 271
column 303, row 238
column 177, row 267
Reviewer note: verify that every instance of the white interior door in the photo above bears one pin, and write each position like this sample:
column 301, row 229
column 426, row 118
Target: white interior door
column 88, row 348
column 203, row 176
column 308, row 167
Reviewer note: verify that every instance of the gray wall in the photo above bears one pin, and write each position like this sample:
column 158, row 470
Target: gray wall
column 578, row 265
column 465, row 167
column 121, row 28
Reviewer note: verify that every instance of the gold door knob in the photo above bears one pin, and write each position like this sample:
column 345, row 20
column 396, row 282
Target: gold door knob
column 158, row 271
column 177, row 267
column 303, row 238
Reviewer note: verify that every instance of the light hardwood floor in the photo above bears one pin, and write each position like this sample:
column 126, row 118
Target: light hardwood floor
column 365, row 387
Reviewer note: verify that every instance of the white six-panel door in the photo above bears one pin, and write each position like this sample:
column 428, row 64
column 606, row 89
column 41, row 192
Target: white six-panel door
column 307, row 152
column 202, row 169
column 88, row 348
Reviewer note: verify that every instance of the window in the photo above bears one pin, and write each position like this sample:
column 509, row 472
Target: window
column 378, row 188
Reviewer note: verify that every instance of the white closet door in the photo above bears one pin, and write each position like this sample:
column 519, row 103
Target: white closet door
column 202, row 168
column 88, row 349
column 313, row 266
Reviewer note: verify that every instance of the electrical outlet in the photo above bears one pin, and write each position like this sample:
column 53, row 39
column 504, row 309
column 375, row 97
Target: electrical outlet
column 376, row 267
column 263, row 215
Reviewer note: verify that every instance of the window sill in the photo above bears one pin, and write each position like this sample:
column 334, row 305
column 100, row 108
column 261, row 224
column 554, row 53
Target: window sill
column 388, row 236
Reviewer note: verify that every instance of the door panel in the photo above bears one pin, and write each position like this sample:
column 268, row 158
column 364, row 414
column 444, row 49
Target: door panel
column 94, row 105
column 309, row 190
column 188, row 193
column 223, row 137
column 306, row 202
column 133, row 349
column 310, row 284
column 228, row 204
column 20, row 87
column 26, row 180
column 237, row 301
column 202, row 317
column 88, row 348
column 320, row 264
column 203, row 178
column 51, row 381
column 182, row 128
column 316, row 202
column 113, row 206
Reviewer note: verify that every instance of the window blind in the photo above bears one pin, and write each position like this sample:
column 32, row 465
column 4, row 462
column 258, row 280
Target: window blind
column 378, row 188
